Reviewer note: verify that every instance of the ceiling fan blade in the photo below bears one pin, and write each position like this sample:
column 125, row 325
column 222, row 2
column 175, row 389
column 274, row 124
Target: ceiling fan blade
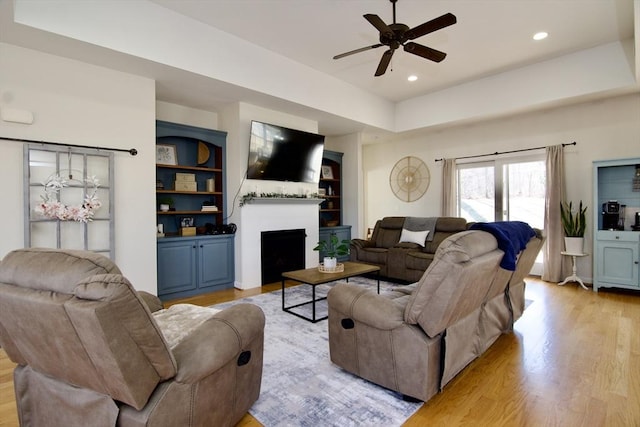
column 384, row 62
column 425, row 52
column 431, row 26
column 379, row 24
column 362, row 49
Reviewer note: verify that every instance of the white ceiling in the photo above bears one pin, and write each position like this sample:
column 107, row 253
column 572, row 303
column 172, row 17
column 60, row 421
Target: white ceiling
column 490, row 37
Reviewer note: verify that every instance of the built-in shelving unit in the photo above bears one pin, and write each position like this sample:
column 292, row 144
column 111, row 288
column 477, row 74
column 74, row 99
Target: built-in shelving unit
column 187, row 141
column 331, row 209
column 191, row 264
column 331, row 185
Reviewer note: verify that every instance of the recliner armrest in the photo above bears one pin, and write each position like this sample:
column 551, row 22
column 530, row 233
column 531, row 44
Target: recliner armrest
column 153, row 302
column 217, row 341
column 366, row 306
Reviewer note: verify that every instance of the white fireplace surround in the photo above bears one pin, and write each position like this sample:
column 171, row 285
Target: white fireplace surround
column 272, row 214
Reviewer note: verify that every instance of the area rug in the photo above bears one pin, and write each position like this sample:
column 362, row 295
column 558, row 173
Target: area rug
column 300, row 385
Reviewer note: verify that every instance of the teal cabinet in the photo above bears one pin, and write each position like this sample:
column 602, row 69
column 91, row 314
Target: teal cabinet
column 190, row 266
column 215, row 259
column 618, row 255
column 616, row 249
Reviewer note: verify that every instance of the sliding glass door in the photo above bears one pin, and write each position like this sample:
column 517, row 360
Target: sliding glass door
column 511, row 189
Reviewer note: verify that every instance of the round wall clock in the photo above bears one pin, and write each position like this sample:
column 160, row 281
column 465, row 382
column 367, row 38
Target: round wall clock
column 409, row 179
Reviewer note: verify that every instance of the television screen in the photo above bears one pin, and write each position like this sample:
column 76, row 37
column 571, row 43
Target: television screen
column 281, row 154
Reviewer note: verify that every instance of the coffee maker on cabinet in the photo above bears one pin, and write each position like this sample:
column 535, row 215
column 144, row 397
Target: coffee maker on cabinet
column 613, row 215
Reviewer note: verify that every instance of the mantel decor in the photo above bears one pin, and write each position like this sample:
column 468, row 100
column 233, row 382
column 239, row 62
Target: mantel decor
column 254, row 197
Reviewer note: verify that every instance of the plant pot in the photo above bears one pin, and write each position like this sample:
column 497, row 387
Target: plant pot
column 330, row 262
column 164, row 207
column 574, row 245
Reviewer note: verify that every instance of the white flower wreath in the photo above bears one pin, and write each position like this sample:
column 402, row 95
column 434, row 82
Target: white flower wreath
column 51, row 207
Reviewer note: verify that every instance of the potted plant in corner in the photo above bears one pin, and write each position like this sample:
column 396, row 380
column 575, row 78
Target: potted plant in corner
column 574, row 225
column 332, row 248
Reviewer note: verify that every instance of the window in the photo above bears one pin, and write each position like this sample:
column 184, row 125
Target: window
column 510, row 189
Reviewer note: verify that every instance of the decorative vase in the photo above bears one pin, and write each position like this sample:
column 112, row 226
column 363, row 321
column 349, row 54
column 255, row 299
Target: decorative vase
column 330, row 262
column 574, row 245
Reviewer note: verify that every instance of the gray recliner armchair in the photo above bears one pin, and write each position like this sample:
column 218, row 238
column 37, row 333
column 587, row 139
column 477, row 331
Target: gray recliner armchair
column 90, row 351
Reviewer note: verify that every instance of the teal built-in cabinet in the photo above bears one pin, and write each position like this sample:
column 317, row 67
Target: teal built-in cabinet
column 189, row 266
column 616, row 249
column 192, row 264
column 331, row 209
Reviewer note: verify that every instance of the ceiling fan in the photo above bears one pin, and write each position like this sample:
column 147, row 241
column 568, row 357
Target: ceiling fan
column 396, row 35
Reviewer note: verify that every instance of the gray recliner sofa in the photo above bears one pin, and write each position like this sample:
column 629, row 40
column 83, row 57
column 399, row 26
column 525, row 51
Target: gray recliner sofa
column 403, row 261
column 90, row 352
column 415, row 339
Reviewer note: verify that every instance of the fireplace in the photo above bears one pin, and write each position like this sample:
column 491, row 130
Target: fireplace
column 280, row 251
column 272, row 214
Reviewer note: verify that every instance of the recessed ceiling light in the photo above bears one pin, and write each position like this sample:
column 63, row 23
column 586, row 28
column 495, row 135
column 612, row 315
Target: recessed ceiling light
column 540, row 36
column 412, row 78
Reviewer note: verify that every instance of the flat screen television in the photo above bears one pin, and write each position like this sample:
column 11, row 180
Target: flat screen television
column 278, row 153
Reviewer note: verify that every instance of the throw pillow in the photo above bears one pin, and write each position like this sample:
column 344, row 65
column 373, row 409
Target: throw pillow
column 417, row 237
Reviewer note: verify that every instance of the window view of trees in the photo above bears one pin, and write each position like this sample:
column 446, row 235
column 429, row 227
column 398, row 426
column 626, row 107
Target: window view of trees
column 502, row 191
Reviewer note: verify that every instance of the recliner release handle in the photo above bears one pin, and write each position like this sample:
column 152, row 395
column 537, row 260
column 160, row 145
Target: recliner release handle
column 347, row 323
column 244, row 358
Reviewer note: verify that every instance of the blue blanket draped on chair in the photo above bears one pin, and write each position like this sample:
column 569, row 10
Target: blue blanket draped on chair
column 512, row 237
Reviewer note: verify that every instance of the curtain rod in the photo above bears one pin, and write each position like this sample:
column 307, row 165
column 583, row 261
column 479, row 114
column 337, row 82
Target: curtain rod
column 506, row 152
column 131, row 151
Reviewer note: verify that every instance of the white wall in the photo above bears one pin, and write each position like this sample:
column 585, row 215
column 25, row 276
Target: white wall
column 77, row 103
column 174, row 113
column 605, row 129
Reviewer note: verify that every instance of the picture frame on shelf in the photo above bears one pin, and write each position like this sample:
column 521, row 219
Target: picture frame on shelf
column 322, row 192
column 186, row 221
column 327, row 172
column 166, row 154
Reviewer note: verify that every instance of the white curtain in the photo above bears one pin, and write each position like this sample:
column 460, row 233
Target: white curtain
column 449, row 188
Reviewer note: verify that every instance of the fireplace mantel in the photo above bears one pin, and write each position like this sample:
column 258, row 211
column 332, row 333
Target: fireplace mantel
column 283, row 200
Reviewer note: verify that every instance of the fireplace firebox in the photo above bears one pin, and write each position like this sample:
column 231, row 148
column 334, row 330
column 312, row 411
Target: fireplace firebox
column 281, row 250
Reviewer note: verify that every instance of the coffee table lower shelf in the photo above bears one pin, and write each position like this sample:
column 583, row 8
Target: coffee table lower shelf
column 313, row 277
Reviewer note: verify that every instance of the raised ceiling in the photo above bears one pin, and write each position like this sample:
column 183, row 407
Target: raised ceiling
column 491, row 38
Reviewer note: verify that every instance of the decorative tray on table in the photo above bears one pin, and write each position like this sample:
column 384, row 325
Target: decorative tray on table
column 339, row 268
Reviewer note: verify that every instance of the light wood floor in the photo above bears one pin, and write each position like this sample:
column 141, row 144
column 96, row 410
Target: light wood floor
column 573, row 360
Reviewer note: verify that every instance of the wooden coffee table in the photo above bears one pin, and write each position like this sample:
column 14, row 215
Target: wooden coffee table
column 313, row 277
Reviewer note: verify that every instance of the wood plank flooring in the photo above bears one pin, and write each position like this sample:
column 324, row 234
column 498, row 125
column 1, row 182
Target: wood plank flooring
column 573, row 360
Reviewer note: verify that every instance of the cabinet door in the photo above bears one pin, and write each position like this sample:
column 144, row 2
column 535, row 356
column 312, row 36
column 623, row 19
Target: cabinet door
column 176, row 266
column 216, row 266
column 618, row 263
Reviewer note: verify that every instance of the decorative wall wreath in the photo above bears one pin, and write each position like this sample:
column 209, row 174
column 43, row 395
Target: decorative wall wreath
column 51, row 207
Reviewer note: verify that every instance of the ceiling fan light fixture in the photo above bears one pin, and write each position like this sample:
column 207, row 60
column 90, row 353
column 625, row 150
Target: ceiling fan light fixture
column 540, row 35
column 397, row 35
column 412, row 78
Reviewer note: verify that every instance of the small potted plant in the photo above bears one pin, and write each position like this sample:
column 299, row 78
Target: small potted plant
column 332, row 248
column 574, row 225
column 165, row 204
